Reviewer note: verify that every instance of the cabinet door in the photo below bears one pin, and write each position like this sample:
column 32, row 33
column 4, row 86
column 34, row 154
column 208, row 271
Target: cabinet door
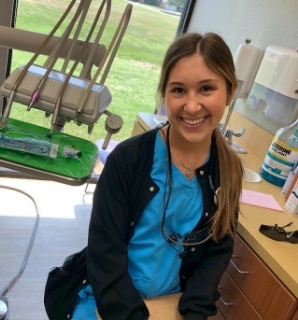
column 262, row 288
column 295, row 317
column 233, row 304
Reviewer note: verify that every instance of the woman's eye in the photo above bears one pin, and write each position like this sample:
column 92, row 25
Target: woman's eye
column 177, row 90
column 207, row 89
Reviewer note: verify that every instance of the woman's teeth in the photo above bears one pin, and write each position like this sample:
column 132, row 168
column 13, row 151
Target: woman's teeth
column 195, row 121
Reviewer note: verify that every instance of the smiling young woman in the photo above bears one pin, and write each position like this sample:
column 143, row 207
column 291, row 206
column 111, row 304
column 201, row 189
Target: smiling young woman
column 166, row 205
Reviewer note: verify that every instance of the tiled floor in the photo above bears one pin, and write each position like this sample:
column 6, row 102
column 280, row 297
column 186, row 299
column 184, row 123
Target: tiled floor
column 64, row 213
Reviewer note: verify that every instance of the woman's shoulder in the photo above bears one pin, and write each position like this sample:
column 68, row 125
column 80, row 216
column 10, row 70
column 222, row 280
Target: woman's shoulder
column 137, row 149
column 138, row 142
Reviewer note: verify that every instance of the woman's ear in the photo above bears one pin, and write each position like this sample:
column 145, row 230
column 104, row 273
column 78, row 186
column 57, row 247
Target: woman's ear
column 229, row 100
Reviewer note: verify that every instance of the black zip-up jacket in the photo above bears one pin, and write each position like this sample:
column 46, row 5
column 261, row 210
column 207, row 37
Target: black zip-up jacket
column 121, row 195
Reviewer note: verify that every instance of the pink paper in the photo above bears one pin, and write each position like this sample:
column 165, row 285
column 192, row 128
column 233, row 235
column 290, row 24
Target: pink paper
column 260, row 199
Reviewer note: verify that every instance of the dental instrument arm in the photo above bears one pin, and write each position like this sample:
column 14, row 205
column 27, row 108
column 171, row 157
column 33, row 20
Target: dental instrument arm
column 29, row 41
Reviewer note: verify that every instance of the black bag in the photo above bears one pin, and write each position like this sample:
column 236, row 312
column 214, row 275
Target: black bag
column 63, row 284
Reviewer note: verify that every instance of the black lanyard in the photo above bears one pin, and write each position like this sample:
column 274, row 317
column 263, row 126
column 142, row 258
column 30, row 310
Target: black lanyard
column 173, row 238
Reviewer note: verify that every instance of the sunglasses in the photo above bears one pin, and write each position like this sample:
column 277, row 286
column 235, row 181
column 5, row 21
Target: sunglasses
column 278, row 233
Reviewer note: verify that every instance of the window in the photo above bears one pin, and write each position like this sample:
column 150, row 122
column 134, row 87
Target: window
column 134, row 74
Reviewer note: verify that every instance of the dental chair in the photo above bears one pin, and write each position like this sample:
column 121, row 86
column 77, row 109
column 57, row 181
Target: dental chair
column 74, row 92
column 63, row 96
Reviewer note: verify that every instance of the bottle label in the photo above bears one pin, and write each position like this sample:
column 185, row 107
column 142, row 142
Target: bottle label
column 280, row 159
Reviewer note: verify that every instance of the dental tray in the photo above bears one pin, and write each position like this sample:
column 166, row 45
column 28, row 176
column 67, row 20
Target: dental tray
column 23, row 147
column 96, row 102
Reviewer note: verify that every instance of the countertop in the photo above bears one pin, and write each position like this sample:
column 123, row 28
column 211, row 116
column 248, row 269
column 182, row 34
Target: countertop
column 281, row 257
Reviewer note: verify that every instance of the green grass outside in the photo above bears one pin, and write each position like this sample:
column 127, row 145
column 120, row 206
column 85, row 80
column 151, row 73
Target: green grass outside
column 134, row 74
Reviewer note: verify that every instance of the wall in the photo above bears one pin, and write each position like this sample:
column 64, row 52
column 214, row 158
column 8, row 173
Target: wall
column 265, row 22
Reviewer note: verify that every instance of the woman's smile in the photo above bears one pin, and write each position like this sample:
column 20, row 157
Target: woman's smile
column 194, row 121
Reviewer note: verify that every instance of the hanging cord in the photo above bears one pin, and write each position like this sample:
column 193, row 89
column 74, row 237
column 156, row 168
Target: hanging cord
column 83, row 9
column 87, row 64
column 169, row 181
column 43, row 45
column 112, row 49
column 4, row 291
column 76, row 35
column 69, row 75
column 27, row 66
column 54, row 56
column 116, row 41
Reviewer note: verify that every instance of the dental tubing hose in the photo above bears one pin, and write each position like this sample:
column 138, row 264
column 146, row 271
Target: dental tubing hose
column 4, row 305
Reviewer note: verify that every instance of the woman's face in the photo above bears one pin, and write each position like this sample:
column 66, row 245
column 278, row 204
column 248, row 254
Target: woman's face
column 195, row 100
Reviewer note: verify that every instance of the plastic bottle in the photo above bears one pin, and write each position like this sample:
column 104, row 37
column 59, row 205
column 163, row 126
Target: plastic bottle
column 282, row 155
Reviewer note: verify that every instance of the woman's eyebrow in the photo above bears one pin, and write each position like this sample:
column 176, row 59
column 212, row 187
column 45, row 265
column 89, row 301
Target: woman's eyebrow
column 175, row 83
column 206, row 80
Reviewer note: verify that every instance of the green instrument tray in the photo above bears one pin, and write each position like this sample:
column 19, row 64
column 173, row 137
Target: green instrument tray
column 69, row 170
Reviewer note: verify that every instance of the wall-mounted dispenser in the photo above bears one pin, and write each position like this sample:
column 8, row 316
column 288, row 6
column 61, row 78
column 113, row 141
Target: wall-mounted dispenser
column 247, row 61
column 275, row 89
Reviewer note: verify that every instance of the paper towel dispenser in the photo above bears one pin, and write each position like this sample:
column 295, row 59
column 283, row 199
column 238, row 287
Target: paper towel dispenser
column 275, row 89
column 247, row 62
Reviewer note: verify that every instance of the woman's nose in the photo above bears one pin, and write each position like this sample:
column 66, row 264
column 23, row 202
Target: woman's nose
column 192, row 106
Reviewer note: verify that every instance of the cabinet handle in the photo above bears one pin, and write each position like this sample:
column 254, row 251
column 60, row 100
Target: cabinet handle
column 226, row 303
column 238, row 270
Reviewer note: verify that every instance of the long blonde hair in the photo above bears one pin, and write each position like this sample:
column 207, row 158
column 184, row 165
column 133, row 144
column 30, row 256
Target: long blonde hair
column 231, row 175
column 219, row 59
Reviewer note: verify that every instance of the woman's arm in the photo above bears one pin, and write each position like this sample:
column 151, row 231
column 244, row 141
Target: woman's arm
column 107, row 259
column 198, row 299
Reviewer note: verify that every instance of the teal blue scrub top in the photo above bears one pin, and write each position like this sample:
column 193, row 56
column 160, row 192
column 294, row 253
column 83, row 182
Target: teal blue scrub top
column 154, row 263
